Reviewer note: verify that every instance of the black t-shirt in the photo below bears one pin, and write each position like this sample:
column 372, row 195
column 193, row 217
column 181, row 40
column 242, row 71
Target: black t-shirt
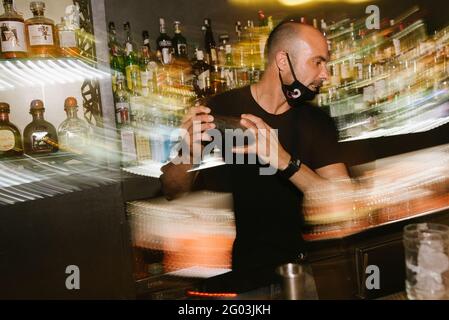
column 268, row 207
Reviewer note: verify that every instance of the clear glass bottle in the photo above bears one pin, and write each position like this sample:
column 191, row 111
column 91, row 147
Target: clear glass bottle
column 41, row 33
column 10, row 139
column 39, row 137
column 73, row 132
column 68, row 39
column 12, row 33
column 148, row 72
column 121, row 99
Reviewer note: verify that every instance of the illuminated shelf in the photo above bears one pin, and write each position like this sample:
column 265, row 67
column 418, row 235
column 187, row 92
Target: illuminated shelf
column 25, row 73
column 150, row 169
column 29, row 178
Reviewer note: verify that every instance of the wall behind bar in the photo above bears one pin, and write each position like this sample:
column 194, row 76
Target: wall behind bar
column 144, row 14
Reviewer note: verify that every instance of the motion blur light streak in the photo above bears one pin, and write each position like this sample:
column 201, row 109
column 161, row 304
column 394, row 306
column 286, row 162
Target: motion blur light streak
column 197, row 230
column 28, row 73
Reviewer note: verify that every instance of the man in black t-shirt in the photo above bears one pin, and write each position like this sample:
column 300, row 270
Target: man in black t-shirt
column 268, row 207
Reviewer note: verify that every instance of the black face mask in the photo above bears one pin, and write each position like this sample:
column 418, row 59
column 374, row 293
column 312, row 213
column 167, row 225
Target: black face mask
column 296, row 93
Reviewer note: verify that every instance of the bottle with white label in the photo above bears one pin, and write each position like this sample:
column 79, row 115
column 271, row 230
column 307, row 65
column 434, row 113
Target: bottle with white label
column 10, row 139
column 148, row 72
column 121, row 99
column 201, row 73
column 164, row 44
column 12, row 33
column 68, row 31
column 179, row 42
column 41, row 33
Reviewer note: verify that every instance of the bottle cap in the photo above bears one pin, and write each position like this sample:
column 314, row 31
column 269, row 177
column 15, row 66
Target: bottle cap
column 37, row 105
column 37, row 6
column 70, row 102
column 4, row 107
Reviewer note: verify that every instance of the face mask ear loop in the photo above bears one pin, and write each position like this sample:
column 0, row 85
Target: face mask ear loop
column 291, row 67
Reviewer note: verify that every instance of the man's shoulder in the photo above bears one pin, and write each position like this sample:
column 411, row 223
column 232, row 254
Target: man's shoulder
column 227, row 101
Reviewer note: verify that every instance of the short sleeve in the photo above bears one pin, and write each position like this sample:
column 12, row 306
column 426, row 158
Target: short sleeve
column 325, row 147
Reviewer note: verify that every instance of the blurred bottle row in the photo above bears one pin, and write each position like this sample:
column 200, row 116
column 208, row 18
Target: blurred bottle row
column 385, row 78
column 153, row 89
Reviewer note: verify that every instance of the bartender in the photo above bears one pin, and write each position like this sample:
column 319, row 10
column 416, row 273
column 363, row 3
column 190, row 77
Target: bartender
column 268, row 207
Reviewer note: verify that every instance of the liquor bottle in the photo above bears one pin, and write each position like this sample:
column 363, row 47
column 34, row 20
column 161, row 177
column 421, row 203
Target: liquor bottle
column 164, row 44
column 124, row 119
column 68, row 31
column 263, row 21
column 209, row 43
column 128, row 141
column 223, row 40
column 39, row 137
column 10, row 139
column 201, row 74
column 12, row 33
column 229, row 69
column 131, row 60
column 73, row 132
column 238, row 30
column 179, row 42
column 121, row 99
column 148, row 72
column 146, row 40
column 116, row 56
column 41, row 33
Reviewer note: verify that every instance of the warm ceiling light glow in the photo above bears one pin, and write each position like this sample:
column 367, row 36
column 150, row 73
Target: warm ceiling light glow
column 292, row 3
column 289, row 3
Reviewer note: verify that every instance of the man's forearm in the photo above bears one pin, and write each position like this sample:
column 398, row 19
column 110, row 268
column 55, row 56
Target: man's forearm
column 176, row 180
column 306, row 179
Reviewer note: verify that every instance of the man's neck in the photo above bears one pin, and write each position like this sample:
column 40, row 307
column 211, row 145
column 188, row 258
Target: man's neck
column 269, row 96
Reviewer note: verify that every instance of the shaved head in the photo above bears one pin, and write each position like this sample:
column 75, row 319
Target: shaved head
column 291, row 36
column 297, row 51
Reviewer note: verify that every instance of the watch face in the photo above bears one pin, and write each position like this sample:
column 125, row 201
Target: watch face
column 298, row 163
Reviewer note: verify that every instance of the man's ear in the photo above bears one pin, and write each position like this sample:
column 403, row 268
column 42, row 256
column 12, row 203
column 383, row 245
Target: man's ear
column 281, row 60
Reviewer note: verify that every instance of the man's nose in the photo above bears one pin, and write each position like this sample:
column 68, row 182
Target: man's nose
column 324, row 75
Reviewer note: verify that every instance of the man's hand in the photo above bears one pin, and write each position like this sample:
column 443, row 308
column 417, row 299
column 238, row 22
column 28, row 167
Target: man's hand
column 266, row 143
column 195, row 123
